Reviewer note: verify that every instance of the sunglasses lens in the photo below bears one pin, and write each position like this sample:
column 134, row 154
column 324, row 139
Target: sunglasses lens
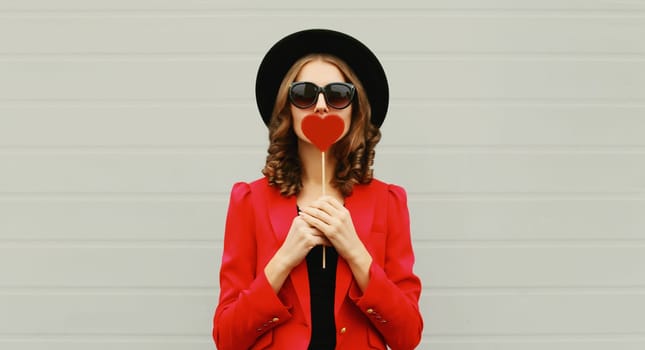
column 303, row 95
column 339, row 95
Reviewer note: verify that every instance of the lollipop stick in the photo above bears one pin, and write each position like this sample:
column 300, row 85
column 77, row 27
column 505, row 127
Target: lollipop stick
column 324, row 252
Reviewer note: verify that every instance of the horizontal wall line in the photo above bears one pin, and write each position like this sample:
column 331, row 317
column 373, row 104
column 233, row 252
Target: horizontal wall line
column 541, row 290
column 113, row 196
column 138, row 150
column 127, row 150
column 194, row 102
column 533, row 338
column 431, row 338
column 524, row 196
column 104, row 337
column 578, row 243
column 138, row 101
column 418, row 243
column 427, row 293
column 412, row 196
column 63, row 242
column 109, row 291
column 429, row 243
column 124, row 243
column 346, row 11
column 111, row 244
column 82, row 56
column 532, row 243
column 537, row 102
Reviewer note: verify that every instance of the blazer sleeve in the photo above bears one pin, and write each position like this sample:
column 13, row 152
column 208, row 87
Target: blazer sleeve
column 248, row 307
column 391, row 299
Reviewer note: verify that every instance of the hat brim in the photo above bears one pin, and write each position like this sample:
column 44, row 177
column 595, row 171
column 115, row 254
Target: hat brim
column 288, row 50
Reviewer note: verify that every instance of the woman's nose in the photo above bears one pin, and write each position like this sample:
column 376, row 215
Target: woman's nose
column 321, row 104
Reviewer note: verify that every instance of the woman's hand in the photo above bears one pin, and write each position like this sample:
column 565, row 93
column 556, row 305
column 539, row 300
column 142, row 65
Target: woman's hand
column 300, row 240
column 334, row 221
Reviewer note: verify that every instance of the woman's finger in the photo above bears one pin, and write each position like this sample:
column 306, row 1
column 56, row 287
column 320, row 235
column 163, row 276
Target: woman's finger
column 315, row 213
column 314, row 232
column 315, row 222
column 326, row 207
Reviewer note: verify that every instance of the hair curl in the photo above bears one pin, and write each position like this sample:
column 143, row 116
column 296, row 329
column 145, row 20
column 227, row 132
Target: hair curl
column 354, row 152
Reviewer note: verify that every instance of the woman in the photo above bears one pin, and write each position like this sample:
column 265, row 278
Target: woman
column 275, row 292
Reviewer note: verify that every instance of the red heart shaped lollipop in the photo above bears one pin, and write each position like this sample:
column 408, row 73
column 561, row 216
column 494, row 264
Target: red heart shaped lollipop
column 323, row 132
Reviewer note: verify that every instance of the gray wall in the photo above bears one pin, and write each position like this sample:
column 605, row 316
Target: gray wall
column 517, row 127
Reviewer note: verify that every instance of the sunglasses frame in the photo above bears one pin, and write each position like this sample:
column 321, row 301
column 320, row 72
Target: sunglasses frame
column 352, row 90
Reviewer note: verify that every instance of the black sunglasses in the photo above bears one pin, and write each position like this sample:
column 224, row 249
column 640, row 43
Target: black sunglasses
column 304, row 94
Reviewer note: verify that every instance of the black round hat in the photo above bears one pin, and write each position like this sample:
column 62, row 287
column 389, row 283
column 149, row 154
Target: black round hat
column 291, row 48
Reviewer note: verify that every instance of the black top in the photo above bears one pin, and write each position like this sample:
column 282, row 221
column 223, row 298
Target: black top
column 322, row 284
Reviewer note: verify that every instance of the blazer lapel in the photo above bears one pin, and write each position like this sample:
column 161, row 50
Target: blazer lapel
column 282, row 211
column 299, row 277
column 361, row 205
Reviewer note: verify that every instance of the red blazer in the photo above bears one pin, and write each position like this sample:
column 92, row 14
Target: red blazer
column 250, row 315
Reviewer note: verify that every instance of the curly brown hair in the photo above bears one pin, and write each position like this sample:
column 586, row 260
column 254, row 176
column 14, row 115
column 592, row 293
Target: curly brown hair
column 354, row 152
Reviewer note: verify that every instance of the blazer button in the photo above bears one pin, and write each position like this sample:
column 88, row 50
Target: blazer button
column 343, row 330
column 370, row 311
column 275, row 319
